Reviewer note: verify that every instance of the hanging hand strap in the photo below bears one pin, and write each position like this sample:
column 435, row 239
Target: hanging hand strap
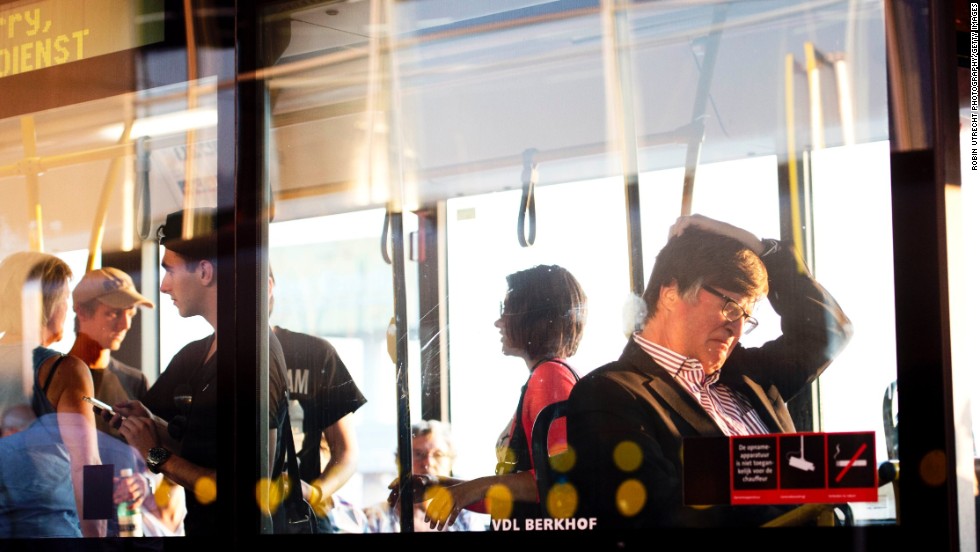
column 529, row 176
column 384, row 237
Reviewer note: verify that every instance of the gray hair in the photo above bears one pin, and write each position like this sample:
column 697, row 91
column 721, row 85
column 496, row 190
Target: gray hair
column 435, row 428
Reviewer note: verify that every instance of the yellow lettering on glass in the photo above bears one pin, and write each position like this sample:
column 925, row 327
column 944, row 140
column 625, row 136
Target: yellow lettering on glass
column 55, row 32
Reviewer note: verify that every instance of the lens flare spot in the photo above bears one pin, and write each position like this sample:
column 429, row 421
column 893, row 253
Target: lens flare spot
column 162, row 494
column 562, row 501
column 563, row 461
column 499, row 501
column 932, row 469
column 205, row 490
column 627, row 456
column 431, row 492
column 441, row 504
column 630, row 497
column 268, row 495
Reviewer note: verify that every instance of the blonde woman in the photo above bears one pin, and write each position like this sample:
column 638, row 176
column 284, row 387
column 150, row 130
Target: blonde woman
column 40, row 465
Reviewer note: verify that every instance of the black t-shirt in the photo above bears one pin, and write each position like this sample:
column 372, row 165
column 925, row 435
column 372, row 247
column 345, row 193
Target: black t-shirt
column 132, row 380
column 189, row 374
column 324, row 388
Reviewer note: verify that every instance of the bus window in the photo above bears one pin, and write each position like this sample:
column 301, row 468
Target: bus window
column 573, row 232
column 332, row 282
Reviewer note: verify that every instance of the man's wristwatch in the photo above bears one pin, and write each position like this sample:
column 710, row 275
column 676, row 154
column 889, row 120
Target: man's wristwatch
column 155, row 458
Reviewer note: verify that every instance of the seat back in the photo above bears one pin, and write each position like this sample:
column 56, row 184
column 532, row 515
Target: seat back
column 558, row 498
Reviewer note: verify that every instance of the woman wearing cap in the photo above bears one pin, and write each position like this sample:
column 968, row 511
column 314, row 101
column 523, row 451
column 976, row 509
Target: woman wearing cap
column 43, row 464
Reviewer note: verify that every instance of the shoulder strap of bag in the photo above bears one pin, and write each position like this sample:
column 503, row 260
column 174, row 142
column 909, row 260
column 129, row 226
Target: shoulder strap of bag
column 54, row 367
column 286, row 461
column 563, row 363
column 294, row 515
column 292, row 466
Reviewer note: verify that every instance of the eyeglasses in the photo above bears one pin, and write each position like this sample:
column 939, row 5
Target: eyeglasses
column 431, row 455
column 732, row 311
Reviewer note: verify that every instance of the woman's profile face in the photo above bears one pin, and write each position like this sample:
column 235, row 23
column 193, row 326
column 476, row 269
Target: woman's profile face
column 506, row 346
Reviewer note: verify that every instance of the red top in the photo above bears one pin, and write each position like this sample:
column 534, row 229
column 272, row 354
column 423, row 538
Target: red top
column 549, row 383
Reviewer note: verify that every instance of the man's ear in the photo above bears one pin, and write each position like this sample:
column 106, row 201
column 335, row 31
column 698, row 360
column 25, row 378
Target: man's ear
column 669, row 295
column 79, row 313
column 205, row 271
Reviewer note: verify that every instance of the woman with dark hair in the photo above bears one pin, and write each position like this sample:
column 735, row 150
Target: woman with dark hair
column 41, row 474
column 541, row 321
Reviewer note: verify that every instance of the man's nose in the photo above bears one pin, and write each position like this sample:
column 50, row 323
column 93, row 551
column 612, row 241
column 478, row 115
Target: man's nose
column 736, row 326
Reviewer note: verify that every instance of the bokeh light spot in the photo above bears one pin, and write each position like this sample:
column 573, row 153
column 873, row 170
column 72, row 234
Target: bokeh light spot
column 562, row 500
column 932, row 468
column 630, row 497
column 563, row 461
column 499, row 501
column 627, row 456
column 442, row 502
column 269, row 494
column 205, row 490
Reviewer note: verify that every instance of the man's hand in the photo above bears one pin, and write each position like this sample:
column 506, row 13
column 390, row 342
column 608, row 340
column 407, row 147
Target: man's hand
column 140, row 432
column 321, row 502
column 126, row 409
column 446, row 503
column 420, row 484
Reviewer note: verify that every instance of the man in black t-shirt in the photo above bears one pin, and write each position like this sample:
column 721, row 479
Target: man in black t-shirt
column 175, row 427
column 323, row 393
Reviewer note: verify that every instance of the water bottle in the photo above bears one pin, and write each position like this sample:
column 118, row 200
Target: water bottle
column 130, row 517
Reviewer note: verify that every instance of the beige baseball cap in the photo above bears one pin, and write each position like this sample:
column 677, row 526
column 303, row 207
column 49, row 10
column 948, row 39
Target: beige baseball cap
column 110, row 286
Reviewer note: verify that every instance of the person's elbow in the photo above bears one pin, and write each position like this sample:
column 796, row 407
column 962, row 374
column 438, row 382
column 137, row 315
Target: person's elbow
column 840, row 332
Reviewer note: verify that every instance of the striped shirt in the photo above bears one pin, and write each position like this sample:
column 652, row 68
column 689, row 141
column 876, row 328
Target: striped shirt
column 727, row 407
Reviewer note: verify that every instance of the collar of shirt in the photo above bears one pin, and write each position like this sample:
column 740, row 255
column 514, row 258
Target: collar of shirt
column 676, row 363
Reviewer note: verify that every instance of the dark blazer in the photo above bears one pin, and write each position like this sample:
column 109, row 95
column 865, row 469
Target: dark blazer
column 634, row 400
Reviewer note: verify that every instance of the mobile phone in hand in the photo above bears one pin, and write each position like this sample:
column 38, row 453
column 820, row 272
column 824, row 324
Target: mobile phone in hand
column 99, row 406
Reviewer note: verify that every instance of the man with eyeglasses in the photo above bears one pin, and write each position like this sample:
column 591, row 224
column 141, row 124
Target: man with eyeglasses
column 433, row 454
column 684, row 374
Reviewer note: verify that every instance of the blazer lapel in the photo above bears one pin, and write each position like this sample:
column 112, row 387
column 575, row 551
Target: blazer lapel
column 661, row 384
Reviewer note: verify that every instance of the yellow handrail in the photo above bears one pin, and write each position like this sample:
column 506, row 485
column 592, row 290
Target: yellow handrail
column 102, row 210
column 30, row 170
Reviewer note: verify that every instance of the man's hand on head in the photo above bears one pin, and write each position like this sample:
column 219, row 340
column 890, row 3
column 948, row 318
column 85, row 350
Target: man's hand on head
column 718, row 227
